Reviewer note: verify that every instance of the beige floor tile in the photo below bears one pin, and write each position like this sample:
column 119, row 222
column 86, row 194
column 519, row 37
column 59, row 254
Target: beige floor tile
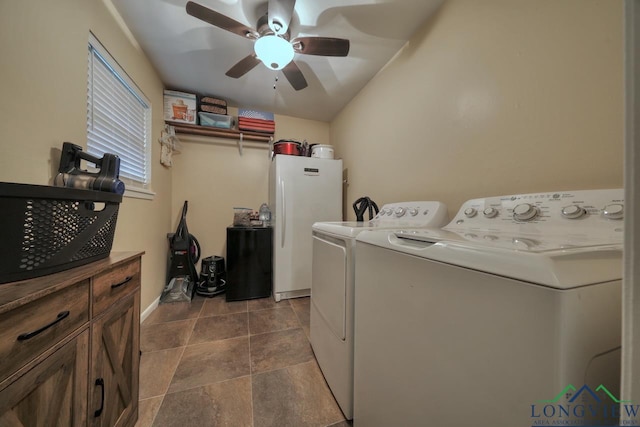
column 147, row 411
column 271, row 320
column 226, row 377
column 225, row 403
column 161, row 336
column 301, row 303
column 156, row 370
column 175, row 311
column 302, row 308
column 269, row 302
column 220, row 327
column 275, row 350
column 294, row 396
column 217, row 305
column 211, row 362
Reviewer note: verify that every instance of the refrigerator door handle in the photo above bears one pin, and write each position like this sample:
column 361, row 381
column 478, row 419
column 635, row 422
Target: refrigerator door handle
column 284, row 215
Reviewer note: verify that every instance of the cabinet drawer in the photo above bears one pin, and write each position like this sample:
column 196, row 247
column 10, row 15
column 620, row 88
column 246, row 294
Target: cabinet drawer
column 113, row 284
column 28, row 330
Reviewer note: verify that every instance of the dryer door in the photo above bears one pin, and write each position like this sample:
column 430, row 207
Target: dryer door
column 329, row 281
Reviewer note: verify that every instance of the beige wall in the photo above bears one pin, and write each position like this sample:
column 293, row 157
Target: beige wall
column 492, row 97
column 489, row 97
column 44, row 85
column 43, row 66
column 211, row 174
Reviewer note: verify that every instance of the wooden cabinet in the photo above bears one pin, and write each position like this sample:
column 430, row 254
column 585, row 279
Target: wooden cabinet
column 53, row 392
column 30, row 329
column 69, row 346
column 115, row 349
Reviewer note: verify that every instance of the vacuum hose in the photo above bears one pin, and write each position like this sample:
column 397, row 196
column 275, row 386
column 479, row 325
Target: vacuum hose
column 194, row 249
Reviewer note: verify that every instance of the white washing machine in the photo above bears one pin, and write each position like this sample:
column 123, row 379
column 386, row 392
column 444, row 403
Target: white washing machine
column 332, row 287
column 501, row 318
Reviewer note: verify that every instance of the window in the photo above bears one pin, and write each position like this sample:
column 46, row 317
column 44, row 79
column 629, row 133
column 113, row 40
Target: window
column 118, row 120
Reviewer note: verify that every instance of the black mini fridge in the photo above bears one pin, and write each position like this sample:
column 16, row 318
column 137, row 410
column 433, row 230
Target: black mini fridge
column 249, row 263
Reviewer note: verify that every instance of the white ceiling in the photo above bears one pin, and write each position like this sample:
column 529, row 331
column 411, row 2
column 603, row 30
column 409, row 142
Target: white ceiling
column 192, row 55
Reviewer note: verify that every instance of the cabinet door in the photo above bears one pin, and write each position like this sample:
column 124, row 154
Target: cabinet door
column 115, row 361
column 53, row 393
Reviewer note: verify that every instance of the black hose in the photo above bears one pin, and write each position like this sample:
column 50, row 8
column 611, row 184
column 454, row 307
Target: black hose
column 198, row 251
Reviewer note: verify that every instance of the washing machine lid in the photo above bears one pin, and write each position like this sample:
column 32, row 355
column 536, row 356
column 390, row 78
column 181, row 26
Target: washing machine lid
column 518, row 242
column 351, row 229
column 560, row 263
column 416, row 214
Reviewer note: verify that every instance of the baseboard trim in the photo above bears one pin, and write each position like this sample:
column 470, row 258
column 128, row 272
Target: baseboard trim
column 149, row 309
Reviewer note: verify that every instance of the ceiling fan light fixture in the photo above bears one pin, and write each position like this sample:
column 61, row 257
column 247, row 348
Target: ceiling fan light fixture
column 275, row 52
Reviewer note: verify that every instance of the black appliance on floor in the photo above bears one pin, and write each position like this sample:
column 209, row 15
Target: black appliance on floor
column 249, row 263
column 184, row 252
column 213, row 279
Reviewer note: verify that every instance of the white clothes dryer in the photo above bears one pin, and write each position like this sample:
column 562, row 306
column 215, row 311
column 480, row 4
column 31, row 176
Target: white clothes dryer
column 508, row 316
column 332, row 287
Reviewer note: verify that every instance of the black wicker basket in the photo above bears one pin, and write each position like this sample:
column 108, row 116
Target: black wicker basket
column 49, row 229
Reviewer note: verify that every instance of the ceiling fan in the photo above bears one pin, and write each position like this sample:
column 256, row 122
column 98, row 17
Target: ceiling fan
column 273, row 45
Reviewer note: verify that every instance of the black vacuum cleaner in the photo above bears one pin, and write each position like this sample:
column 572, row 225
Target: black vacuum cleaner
column 213, row 277
column 184, row 253
column 72, row 175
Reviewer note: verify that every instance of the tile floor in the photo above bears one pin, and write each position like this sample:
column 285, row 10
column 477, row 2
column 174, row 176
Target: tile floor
column 246, row 363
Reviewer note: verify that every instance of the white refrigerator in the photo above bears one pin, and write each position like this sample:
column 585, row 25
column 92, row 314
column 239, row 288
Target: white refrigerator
column 302, row 191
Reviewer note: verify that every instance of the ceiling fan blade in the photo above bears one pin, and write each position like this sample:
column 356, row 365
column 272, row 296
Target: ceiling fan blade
column 280, row 13
column 243, row 66
column 322, row 46
column 219, row 20
column 294, row 75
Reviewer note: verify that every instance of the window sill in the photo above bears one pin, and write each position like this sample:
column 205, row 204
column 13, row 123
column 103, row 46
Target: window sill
column 138, row 193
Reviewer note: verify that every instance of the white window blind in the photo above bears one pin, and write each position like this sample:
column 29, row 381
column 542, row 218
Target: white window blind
column 118, row 117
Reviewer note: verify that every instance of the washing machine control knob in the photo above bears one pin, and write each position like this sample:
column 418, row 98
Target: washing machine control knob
column 400, row 212
column 523, row 243
column 490, row 212
column 572, row 211
column 470, row 212
column 613, row 211
column 413, row 211
column 525, row 212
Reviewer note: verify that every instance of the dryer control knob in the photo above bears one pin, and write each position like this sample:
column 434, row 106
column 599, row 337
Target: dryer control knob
column 413, row 211
column 613, row 211
column 490, row 212
column 470, row 212
column 525, row 212
column 572, row 211
column 400, row 212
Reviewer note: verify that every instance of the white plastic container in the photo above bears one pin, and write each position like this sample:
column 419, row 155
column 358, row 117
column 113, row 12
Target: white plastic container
column 215, row 120
column 322, row 151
